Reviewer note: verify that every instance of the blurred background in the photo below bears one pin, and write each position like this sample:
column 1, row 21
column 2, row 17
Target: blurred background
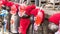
column 49, row 6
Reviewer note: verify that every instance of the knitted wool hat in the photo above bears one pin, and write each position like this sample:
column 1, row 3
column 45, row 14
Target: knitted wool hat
column 29, row 9
column 55, row 18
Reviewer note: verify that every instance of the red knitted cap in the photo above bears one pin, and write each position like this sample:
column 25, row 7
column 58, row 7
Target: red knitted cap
column 55, row 18
column 29, row 9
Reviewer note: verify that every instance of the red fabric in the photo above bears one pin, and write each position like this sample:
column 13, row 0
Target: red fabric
column 55, row 18
column 29, row 9
column 35, row 12
column 1, row 3
column 4, row 2
column 17, row 5
column 24, row 23
column 9, row 4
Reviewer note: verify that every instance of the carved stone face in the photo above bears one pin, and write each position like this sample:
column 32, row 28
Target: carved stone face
column 53, row 27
